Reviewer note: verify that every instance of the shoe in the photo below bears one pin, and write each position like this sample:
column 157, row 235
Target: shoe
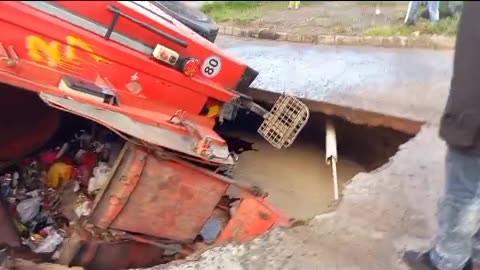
column 418, row 261
column 421, row 261
column 410, row 23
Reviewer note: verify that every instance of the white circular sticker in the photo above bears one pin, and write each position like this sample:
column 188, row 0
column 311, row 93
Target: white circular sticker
column 211, row 66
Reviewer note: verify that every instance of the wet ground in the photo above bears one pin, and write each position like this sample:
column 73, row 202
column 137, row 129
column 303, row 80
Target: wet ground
column 409, row 83
column 383, row 212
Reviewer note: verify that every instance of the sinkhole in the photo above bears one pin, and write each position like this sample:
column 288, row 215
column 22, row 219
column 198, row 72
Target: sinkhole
column 297, row 178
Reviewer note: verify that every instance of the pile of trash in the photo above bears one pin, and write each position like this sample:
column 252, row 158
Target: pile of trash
column 54, row 189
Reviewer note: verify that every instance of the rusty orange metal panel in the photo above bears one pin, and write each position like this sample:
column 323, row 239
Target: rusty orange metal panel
column 253, row 217
column 170, row 201
column 115, row 195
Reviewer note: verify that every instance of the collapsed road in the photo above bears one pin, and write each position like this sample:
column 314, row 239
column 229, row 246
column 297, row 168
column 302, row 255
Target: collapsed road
column 187, row 207
column 382, row 212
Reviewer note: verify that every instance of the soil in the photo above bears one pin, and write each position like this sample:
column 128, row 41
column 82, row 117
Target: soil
column 330, row 17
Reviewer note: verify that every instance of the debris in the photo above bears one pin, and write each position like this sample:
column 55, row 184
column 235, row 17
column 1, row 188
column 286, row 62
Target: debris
column 51, row 194
column 83, row 206
column 101, row 173
column 87, row 161
column 15, row 178
column 48, row 192
column 211, row 230
column 33, row 193
column 29, row 208
column 59, row 172
column 50, row 243
column 238, row 146
column 48, row 157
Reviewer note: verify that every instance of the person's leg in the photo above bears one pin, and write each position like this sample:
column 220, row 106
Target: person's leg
column 459, row 212
column 476, row 250
column 411, row 15
column 378, row 10
column 458, row 217
column 297, row 4
column 433, row 12
column 290, row 4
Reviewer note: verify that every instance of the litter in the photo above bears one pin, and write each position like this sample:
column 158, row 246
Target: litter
column 101, row 173
column 29, row 208
column 33, row 189
column 59, row 172
column 50, row 243
column 83, row 206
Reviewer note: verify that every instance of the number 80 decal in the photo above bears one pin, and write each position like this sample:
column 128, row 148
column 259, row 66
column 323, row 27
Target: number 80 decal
column 211, row 66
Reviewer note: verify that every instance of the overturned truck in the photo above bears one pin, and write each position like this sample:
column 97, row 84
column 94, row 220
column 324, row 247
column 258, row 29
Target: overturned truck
column 109, row 156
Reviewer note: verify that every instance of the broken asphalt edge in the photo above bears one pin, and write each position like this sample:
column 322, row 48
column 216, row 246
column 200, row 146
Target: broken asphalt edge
column 422, row 42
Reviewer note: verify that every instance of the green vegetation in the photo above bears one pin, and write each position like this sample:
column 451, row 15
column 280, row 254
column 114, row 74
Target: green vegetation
column 447, row 26
column 240, row 12
column 382, row 2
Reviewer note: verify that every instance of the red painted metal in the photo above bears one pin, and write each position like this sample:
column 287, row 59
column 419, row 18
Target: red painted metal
column 124, row 183
column 158, row 197
column 36, row 57
column 34, row 123
column 173, row 200
column 253, row 217
column 170, row 201
column 198, row 46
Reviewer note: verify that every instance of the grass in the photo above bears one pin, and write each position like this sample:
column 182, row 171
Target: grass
column 447, row 26
column 382, row 2
column 240, row 12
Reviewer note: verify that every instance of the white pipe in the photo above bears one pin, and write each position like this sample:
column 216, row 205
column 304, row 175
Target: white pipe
column 331, row 142
column 335, row 180
column 331, row 155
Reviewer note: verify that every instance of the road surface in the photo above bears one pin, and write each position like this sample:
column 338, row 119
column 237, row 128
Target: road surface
column 195, row 4
column 383, row 212
column 410, row 83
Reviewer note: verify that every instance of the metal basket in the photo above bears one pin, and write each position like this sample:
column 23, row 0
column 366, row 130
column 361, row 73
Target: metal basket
column 284, row 122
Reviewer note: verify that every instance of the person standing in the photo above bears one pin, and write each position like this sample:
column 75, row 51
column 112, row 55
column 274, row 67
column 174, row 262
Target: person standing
column 291, row 4
column 378, row 5
column 432, row 6
column 457, row 245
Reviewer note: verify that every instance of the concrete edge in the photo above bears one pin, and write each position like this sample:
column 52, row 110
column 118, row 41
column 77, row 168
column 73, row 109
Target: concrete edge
column 424, row 42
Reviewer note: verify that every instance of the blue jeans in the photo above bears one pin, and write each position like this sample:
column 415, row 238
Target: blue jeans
column 459, row 213
column 413, row 6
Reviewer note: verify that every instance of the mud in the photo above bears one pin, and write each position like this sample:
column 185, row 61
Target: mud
column 297, row 178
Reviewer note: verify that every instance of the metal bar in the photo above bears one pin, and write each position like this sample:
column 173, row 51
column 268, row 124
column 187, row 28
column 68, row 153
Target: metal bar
column 157, row 244
column 166, row 35
column 112, row 26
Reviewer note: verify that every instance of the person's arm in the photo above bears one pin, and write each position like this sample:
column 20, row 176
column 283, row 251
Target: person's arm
column 467, row 50
column 460, row 123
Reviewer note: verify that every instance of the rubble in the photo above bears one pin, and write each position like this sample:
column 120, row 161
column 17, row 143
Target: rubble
column 35, row 189
column 50, row 197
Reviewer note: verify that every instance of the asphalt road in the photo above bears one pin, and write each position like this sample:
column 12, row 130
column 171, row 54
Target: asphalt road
column 382, row 213
column 410, row 83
